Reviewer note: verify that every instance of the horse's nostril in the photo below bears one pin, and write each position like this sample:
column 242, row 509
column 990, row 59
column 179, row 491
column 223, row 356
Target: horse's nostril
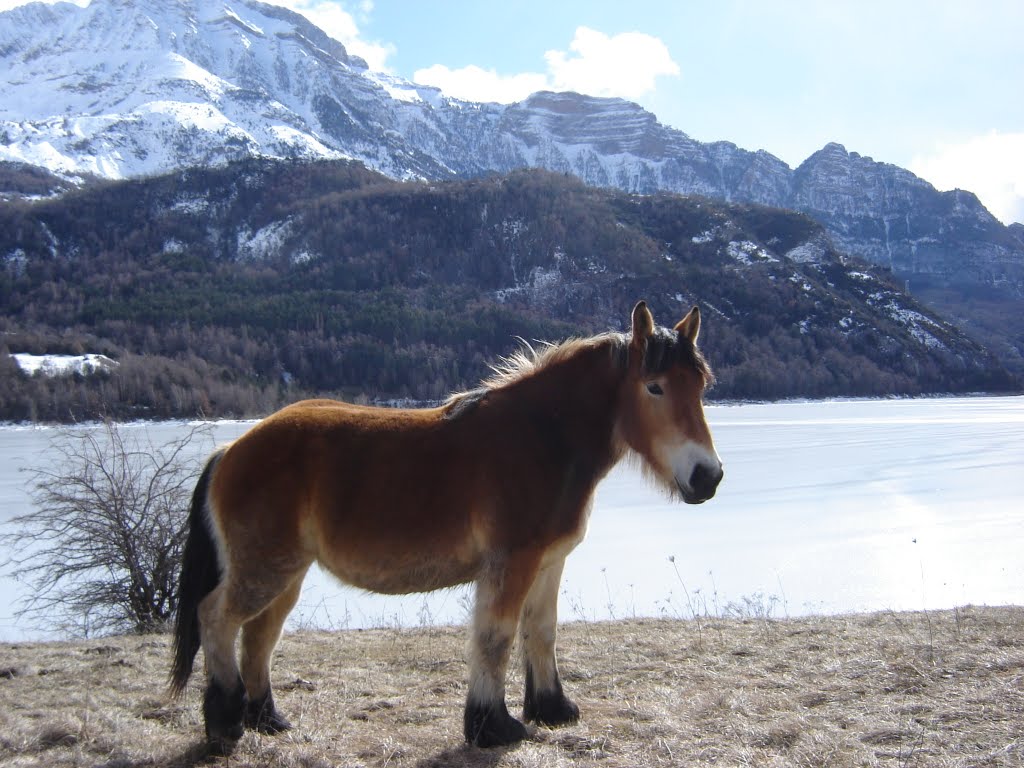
column 705, row 480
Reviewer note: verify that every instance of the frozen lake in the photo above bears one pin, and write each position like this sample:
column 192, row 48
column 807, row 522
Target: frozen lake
column 826, row 507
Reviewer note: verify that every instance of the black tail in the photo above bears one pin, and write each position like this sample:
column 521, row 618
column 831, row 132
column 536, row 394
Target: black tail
column 200, row 573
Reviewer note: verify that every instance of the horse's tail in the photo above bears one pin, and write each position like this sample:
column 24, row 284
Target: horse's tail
column 200, row 573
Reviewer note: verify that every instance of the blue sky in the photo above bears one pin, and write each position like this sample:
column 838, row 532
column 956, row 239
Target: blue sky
column 930, row 85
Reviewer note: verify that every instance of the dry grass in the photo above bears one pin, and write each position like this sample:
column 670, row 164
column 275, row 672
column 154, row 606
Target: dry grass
column 890, row 689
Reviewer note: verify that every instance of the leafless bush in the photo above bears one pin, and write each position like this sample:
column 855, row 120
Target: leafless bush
column 101, row 548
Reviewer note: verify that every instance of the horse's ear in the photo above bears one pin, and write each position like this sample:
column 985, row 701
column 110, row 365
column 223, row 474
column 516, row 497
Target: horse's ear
column 643, row 323
column 689, row 326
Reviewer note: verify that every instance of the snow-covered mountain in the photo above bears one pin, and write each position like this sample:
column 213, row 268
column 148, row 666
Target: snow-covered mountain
column 130, row 87
column 124, row 88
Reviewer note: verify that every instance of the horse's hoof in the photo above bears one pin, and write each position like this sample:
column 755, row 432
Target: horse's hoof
column 217, row 746
column 551, row 708
column 261, row 715
column 224, row 712
column 547, row 707
column 490, row 725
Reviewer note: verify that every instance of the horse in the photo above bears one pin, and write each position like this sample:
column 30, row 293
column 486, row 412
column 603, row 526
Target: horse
column 494, row 486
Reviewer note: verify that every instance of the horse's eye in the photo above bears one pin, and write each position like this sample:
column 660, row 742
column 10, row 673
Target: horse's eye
column 655, row 388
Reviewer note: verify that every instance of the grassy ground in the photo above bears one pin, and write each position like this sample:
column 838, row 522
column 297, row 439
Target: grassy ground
column 890, row 689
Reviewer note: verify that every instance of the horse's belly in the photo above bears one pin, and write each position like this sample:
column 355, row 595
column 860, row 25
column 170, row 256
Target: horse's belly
column 384, row 538
column 400, row 575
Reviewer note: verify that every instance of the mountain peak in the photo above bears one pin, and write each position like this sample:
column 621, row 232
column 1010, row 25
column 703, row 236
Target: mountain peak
column 143, row 86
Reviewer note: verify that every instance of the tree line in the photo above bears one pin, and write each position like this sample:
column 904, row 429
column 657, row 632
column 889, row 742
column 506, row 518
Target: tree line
column 230, row 291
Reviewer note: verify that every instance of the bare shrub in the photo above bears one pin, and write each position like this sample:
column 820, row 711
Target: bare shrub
column 101, row 548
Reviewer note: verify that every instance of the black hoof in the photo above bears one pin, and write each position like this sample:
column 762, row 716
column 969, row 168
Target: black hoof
column 224, row 711
column 261, row 715
column 219, row 747
column 548, row 707
column 490, row 725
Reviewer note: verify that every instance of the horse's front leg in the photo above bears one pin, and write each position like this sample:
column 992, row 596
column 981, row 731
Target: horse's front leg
column 500, row 592
column 544, row 703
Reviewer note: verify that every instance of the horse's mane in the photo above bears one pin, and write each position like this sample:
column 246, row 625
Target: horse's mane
column 665, row 348
column 528, row 359
column 526, row 362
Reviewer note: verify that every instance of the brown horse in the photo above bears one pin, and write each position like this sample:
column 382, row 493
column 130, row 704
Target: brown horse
column 494, row 487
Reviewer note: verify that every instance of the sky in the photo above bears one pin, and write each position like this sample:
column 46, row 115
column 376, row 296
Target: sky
column 934, row 86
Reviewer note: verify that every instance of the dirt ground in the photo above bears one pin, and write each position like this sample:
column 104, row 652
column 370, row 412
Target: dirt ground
column 941, row 688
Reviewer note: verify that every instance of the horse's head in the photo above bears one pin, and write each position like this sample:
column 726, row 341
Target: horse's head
column 662, row 416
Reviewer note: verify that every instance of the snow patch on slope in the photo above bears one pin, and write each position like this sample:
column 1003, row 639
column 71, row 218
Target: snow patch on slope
column 63, row 365
column 748, row 252
column 264, row 243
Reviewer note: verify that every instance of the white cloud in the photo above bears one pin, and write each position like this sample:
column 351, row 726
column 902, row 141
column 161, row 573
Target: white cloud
column 475, row 84
column 991, row 166
column 342, row 26
column 625, row 65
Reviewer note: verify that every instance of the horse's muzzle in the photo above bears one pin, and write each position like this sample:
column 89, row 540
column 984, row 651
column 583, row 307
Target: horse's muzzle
column 703, row 484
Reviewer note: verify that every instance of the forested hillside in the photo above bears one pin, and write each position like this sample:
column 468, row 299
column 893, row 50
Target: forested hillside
column 229, row 291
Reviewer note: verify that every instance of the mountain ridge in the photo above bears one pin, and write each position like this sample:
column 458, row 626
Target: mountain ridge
column 203, row 83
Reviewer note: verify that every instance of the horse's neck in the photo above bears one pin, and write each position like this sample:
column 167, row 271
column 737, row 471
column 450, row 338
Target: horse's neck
column 577, row 400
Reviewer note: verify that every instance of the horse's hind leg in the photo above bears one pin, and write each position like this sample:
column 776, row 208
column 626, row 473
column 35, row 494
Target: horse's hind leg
column 239, row 598
column 259, row 638
column 225, row 700
column 500, row 592
column 544, row 702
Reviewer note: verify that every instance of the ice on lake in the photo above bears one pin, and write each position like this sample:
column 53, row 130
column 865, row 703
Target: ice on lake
column 826, row 507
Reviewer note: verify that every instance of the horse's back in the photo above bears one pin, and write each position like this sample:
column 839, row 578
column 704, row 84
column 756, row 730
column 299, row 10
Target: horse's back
column 332, row 449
